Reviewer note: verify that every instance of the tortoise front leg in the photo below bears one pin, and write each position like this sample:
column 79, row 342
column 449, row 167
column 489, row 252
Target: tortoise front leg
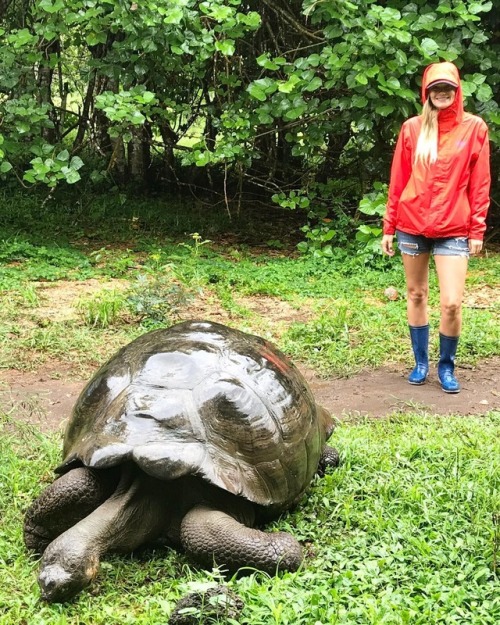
column 133, row 515
column 64, row 503
column 212, row 536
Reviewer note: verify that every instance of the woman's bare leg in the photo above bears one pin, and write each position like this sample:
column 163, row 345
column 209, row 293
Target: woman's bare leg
column 417, row 286
column 451, row 271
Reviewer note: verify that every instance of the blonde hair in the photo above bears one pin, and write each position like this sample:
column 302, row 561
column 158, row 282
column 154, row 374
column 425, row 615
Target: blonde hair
column 427, row 144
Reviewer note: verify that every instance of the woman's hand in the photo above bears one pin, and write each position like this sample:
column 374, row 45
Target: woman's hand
column 475, row 246
column 387, row 244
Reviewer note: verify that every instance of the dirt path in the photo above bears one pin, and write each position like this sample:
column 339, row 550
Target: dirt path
column 46, row 398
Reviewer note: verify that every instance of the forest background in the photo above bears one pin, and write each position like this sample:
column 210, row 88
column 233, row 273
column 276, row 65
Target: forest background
column 295, row 103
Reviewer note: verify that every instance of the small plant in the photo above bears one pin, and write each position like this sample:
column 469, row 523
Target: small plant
column 369, row 233
column 112, row 262
column 101, row 310
column 198, row 244
column 495, row 517
column 207, row 602
column 156, row 299
column 328, row 226
column 29, row 295
column 50, row 166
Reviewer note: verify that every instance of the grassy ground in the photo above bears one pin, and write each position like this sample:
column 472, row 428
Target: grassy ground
column 406, row 531
column 156, row 268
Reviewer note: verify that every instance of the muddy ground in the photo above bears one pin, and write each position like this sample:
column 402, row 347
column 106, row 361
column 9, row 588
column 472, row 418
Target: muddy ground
column 46, row 396
column 38, row 398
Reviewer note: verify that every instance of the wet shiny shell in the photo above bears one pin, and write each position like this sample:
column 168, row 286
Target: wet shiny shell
column 203, row 399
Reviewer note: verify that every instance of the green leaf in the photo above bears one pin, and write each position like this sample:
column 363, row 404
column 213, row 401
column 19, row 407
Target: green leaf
column 148, row 96
column 371, row 72
column 479, row 7
column 429, row 46
column 264, row 61
column 256, row 92
column 359, row 101
column 72, row 176
column 29, row 176
column 478, row 79
column 226, row 47
column 137, row 118
column 202, row 158
column 289, row 85
column 22, row 127
column 251, row 19
column 21, row 37
column 76, row 163
column 479, row 38
column 403, row 36
column 51, row 6
column 265, row 118
column 401, row 58
column 5, row 167
column 393, row 83
column 315, row 83
column 94, row 38
column 468, row 88
column 484, row 93
column 384, row 110
column 174, row 16
column 362, row 79
column 295, row 112
column 63, row 156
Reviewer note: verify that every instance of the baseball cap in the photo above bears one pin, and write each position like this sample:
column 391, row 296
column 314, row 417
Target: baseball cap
column 442, row 81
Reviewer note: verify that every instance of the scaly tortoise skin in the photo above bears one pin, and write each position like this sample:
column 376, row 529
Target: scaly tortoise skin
column 192, row 435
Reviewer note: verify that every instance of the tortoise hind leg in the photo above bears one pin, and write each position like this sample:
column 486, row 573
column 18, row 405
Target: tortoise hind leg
column 329, row 458
column 213, row 536
column 64, row 503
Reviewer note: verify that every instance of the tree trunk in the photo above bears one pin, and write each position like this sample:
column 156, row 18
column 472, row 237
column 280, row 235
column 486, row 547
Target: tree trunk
column 44, row 86
column 169, row 140
column 139, row 155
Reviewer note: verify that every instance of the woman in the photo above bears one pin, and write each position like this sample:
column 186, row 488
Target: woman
column 437, row 203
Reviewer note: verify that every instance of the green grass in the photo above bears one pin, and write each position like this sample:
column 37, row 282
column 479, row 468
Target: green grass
column 349, row 323
column 406, row 531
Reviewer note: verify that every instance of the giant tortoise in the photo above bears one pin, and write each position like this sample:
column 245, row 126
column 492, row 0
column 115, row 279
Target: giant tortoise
column 194, row 435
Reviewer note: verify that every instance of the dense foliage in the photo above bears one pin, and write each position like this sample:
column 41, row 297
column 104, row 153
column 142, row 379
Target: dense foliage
column 298, row 100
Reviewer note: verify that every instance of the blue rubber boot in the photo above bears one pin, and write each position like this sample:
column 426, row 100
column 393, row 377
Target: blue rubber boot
column 446, row 366
column 420, row 343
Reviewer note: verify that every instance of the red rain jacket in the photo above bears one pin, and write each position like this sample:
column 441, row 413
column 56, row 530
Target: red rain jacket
column 450, row 197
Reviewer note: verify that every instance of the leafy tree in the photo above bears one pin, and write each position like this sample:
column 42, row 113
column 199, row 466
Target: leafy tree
column 298, row 100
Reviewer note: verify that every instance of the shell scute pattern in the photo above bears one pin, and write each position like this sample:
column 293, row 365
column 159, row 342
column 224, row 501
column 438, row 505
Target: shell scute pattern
column 202, row 399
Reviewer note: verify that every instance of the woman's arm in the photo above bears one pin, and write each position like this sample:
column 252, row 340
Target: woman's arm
column 478, row 190
column 400, row 174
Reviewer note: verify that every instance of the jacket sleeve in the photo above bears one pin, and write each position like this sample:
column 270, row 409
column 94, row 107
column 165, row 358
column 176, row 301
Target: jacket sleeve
column 478, row 190
column 400, row 174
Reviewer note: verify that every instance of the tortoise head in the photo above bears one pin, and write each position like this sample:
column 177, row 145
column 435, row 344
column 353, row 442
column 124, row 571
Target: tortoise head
column 64, row 573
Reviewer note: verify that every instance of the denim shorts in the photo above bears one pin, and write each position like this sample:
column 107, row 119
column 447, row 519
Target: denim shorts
column 414, row 245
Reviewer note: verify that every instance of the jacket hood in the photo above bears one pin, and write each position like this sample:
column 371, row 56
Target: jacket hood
column 445, row 72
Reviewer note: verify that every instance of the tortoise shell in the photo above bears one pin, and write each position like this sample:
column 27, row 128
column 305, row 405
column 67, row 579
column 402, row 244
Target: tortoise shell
column 202, row 399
